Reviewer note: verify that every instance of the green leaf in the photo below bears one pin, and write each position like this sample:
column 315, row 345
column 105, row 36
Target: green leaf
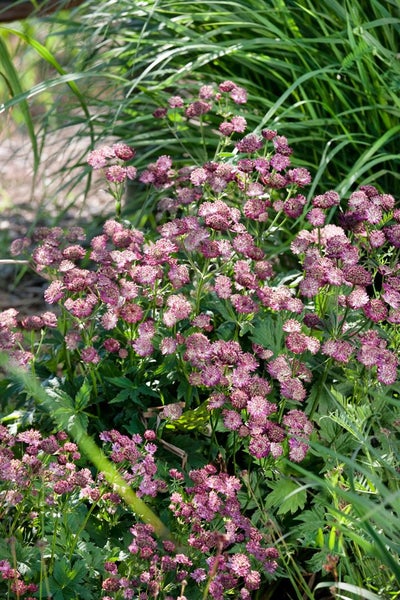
column 121, row 382
column 268, row 332
column 226, row 330
column 44, row 53
column 287, row 496
column 64, row 574
column 316, row 562
column 245, row 328
column 61, row 406
column 92, row 555
column 67, row 582
column 82, row 398
column 121, row 397
column 310, row 522
column 130, row 391
column 191, row 419
column 75, row 518
column 218, row 305
column 143, row 390
column 318, row 399
column 348, row 587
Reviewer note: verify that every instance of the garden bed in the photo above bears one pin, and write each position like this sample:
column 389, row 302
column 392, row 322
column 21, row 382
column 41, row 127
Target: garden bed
column 200, row 382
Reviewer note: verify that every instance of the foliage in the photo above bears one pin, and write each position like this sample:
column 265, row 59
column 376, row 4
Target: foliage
column 64, row 532
column 327, row 77
column 249, row 337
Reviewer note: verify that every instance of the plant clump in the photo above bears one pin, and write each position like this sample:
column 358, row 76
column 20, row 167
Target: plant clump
column 197, row 334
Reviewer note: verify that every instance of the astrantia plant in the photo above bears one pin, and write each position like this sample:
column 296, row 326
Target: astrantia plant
column 52, row 509
column 216, row 550
column 230, row 324
column 201, row 312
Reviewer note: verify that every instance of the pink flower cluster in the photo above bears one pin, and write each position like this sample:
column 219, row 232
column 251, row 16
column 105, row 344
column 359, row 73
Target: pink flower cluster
column 46, row 463
column 214, row 543
column 241, row 395
column 199, row 315
column 221, row 549
column 135, row 457
column 111, row 159
column 202, row 105
column 338, row 259
column 15, row 579
column 195, row 294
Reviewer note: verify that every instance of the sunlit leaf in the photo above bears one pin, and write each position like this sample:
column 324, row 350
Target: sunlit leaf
column 190, row 420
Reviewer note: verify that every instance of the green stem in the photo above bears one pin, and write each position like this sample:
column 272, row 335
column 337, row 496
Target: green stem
column 44, row 580
column 89, row 448
column 113, row 477
column 77, row 535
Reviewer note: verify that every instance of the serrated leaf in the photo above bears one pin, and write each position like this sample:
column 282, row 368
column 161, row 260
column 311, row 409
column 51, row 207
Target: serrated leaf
column 60, row 405
column 187, row 393
column 82, row 398
column 246, row 328
column 62, row 573
column 93, row 555
column 144, row 390
column 287, row 496
column 120, row 397
column 316, row 562
column 135, row 424
column 77, row 424
column 268, row 332
column 311, row 520
column 318, row 400
column 130, row 391
column 67, row 580
column 226, row 330
column 219, row 306
column 122, row 382
column 76, row 518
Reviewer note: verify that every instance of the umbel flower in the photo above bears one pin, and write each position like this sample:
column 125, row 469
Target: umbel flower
column 202, row 298
column 196, row 327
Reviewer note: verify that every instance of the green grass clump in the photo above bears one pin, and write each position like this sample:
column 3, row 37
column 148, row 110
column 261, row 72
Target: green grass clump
column 328, row 77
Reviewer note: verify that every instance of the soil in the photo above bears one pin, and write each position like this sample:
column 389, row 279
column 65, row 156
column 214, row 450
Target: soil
column 26, row 201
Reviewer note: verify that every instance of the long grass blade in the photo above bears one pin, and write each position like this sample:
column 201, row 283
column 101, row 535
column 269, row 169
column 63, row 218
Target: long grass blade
column 51, row 60
column 10, row 76
column 348, row 587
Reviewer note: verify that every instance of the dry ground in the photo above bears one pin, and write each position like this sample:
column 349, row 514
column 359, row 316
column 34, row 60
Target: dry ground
column 26, row 201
